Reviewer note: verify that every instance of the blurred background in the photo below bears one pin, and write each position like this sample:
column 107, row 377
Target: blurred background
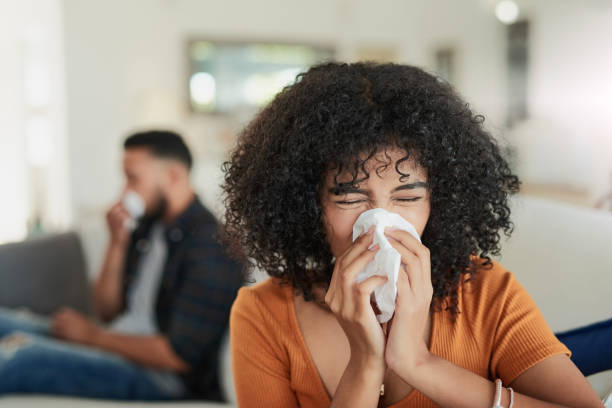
column 78, row 75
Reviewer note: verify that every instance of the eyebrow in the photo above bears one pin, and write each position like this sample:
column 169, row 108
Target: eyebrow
column 346, row 188
column 411, row 186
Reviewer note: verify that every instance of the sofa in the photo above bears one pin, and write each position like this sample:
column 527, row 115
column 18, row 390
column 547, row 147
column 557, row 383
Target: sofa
column 560, row 253
column 46, row 273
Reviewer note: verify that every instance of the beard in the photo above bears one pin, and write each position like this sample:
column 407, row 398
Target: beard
column 158, row 207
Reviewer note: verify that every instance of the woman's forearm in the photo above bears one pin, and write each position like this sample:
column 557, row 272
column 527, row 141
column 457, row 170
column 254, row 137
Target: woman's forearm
column 360, row 384
column 449, row 385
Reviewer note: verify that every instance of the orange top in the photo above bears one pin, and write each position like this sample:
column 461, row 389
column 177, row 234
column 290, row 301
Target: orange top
column 499, row 334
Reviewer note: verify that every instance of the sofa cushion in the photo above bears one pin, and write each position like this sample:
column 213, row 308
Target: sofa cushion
column 44, row 274
column 561, row 254
column 52, row 401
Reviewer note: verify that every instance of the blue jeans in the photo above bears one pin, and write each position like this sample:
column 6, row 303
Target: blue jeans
column 591, row 346
column 31, row 361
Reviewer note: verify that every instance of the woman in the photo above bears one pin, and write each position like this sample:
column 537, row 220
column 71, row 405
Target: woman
column 346, row 138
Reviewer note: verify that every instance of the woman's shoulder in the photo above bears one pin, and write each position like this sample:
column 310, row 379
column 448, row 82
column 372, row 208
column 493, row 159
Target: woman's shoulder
column 268, row 299
column 261, row 319
column 500, row 314
column 489, row 286
column 487, row 274
column 271, row 290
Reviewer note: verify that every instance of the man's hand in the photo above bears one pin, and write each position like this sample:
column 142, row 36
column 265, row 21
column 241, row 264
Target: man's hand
column 108, row 287
column 70, row 325
column 116, row 219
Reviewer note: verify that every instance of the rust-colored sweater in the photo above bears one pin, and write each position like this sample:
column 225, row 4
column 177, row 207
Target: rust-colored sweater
column 499, row 334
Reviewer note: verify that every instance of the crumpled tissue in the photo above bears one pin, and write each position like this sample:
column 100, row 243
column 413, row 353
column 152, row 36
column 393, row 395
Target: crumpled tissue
column 135, row 206
column 387, row 260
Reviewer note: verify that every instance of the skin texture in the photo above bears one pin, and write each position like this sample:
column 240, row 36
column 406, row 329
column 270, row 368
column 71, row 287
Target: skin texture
column 165, row 188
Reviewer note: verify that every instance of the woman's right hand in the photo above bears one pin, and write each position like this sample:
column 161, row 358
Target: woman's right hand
column 350, row 302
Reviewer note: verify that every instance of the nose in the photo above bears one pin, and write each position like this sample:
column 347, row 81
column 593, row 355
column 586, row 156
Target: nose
column 379, row 204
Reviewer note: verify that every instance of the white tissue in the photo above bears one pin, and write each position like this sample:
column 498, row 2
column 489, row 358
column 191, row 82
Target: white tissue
column 387, row 261
column 135, row 206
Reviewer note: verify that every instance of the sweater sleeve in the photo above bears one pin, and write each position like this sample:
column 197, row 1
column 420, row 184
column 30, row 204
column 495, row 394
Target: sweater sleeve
column 259, row 360
column 522, row 336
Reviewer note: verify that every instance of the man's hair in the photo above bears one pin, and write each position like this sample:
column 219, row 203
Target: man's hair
column 162, row 144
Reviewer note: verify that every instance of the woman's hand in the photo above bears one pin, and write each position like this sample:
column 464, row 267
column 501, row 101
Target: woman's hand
column 350, row 302
column 406, row 347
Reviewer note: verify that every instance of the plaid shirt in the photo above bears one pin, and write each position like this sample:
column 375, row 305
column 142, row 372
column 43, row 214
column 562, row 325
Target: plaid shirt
column 198, row 286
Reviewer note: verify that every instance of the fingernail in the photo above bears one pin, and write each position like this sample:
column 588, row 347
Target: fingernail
column 373, row 247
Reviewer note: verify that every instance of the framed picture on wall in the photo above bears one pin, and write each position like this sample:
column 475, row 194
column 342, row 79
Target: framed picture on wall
column 229, row 76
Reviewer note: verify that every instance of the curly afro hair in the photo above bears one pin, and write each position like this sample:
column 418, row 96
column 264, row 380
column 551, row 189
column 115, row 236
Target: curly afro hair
column 337, row 116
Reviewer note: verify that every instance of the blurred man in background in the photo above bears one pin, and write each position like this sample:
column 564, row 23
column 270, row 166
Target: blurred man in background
column 164, row 295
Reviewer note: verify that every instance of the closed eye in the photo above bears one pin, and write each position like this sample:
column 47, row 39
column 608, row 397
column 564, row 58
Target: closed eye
column 350, row 202
column 347, row 202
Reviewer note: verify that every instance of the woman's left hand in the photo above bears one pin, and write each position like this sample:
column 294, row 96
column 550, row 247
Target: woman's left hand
column 406, row 347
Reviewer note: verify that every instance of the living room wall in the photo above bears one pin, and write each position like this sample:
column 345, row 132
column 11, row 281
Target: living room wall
column 126, row 68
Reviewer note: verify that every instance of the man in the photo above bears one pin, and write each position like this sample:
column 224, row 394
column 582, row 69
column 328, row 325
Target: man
column 165, row 291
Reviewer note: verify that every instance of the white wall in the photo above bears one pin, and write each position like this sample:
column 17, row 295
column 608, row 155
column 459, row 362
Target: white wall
column 126, row 68
column 568, row 140
column 119, row 54
column 33, row 146
column 12, row 148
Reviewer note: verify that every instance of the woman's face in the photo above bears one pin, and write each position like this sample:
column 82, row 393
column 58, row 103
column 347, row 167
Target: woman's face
column 408, row 198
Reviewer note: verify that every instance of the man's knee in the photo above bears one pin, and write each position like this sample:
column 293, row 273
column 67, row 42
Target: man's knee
column 13, row 352
column 12, row 343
